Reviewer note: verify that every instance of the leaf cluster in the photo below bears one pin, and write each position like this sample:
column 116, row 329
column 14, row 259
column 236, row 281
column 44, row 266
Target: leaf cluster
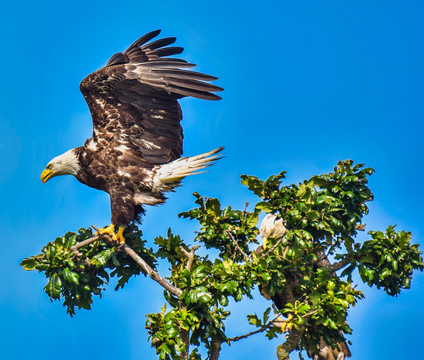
column 218, row 223
column 266, row 323
column 321, row 218
column 388, row 260
column 329, row 206
column 76, row 276
column 207, row 286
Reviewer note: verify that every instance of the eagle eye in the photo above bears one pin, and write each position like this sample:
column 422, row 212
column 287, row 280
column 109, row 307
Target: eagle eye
column 50, row 166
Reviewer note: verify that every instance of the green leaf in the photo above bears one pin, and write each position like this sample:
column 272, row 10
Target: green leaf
column 266, row 277
column 171, row 332
column 164, row 350
column 230, row 286
column 223, row 300
column 385, row 273
column 70, row 276
column 252, row 219
column 266, row 315
column 254, row 320
column 204, row 297
column 213, row 206
column 264, row 206
column 395, row 265
column 54, row 287
column 332, row 324
column 29, row 263
column 199, row 272
column 102, row 257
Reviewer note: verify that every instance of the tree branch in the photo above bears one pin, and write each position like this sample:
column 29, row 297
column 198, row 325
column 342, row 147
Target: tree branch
column 237, row 246
column 147, row 269
column 185, row 337
column 152, row 273
column 186, row 340
column 215, row 348
column 275, row 246
column 261, row 329
column 83, row 243
column 291, row 343
column 340, row 264
column 190, row 255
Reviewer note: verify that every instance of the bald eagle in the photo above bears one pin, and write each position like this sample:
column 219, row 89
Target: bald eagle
column 135, row 151
column 274, row 227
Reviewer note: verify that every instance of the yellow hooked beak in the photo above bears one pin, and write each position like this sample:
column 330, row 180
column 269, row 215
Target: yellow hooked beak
column 46, row 175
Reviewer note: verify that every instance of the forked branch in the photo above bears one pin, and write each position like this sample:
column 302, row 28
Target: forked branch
column 189, row 255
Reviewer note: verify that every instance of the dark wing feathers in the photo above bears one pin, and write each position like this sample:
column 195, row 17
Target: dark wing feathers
column 134, row 97
column 144, row 39
column 160, row 43
column 168, row 51
column 172, row 83
column 137, row 53
column 134, row 53
column 184, row 74
column 116, row 59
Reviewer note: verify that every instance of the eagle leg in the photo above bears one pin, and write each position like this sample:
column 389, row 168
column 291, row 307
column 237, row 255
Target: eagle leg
column 110, row 230
column 119, row 235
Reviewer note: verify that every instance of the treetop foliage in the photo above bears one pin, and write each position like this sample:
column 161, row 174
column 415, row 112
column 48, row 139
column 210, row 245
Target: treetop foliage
column 322, row 216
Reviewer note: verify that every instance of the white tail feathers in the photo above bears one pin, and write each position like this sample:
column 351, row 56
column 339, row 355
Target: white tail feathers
column 169, row 175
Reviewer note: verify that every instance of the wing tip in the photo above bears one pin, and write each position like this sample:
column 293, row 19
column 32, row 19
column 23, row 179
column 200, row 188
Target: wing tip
column 144, row 39
column 152, row 34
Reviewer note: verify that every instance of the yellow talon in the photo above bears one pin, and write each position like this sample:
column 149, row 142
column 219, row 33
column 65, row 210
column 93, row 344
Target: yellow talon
column 286, row 326
column 107, row 230
column 110, row 230
column 120, row 236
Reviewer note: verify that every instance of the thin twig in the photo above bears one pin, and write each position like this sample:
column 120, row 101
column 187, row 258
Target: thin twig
column 261, row 329
column 237, row 246
column 311, row 313
column 245, row 209
column 360, row 227
column 274, row 247
column 83, row 243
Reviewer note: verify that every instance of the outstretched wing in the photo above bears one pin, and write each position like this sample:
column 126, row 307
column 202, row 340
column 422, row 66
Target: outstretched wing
column 133, row 99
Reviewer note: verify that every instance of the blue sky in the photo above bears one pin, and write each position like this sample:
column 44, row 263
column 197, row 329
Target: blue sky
column 307, row 83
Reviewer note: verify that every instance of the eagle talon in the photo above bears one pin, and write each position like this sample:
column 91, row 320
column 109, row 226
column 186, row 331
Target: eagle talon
column 119, row 235
column 110, row 230
column 285, row 325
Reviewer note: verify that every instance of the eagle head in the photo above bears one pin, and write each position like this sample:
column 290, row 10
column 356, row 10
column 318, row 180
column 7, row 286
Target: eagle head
column 273, row 227
column 65, row 164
